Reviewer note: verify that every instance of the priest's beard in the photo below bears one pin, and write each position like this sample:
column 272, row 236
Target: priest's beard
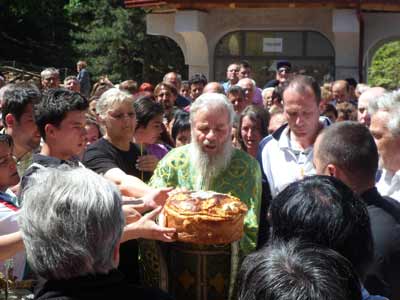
column 209, row 166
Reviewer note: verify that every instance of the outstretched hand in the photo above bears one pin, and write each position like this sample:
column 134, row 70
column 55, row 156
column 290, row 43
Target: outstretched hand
column 147, row 228
column 131, row 214
column 156, row 197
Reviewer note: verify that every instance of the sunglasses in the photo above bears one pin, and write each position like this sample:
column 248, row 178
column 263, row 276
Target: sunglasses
column 281, row 70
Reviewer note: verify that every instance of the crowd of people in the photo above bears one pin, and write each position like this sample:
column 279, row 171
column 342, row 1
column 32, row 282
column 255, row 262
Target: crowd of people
column 85, row 171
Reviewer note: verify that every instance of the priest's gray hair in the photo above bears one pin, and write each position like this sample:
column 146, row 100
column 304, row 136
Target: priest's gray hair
column 212, row 101
column 389, row 102
column 71, row 221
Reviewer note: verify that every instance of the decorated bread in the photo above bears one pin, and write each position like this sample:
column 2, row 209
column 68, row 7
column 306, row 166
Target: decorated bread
column 205, row 217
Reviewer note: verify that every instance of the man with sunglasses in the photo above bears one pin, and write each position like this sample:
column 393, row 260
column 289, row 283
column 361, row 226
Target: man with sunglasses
column 283, row 73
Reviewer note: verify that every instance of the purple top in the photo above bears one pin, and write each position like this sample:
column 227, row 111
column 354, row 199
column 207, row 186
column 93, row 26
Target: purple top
column 257, row 98
column 158, row 150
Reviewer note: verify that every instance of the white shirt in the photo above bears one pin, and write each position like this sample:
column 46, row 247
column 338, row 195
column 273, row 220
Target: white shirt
column 9, row 224
column 284, row 162
column 389, row 184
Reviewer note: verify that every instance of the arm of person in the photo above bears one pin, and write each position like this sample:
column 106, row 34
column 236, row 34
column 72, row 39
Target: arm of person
column 10, row 244
column 152, row 199
column 253, row 202
column 147, row 228
column 128, row 185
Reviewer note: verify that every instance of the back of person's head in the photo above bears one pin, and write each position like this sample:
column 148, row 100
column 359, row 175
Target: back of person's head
column 129, row 86
column 146, row 87
column 100, row 87
column 49, row 72
column 146, row 109
column 277, row 94
column 198, row 79
column 16, row 98
column 295, row 270
column 300, row 83
column 351, row 147
column 351, row 82
column 236, row 90
column 71, row 77
column 214, row 87
column 324, row 211
column 55, row 105
column 71, row 223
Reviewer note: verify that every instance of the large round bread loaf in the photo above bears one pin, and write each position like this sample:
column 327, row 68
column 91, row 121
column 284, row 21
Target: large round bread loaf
column 205, row 217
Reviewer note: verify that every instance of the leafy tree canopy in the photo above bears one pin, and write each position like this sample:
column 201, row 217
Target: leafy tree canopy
column 110, row 38
column 114, row 42
column 385, row 66
column 35, row 32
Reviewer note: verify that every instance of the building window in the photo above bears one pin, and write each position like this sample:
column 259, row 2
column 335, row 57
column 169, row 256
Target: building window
column 309, row 52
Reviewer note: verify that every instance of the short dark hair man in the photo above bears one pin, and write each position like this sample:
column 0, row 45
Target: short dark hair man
column 175, row 79
column 286, row 155
column 61, row 119
column 236, row 96
column 324, row 211
column 347, row 150
column 296, row 270
column 197, row 83
column 17, row 109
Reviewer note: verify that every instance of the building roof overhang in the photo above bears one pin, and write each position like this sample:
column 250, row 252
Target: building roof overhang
column 369, row 5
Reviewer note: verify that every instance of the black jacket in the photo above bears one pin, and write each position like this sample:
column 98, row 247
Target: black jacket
column 384, row 275
column 99, row 287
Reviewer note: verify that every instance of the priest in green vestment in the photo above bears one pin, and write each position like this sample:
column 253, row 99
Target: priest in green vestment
column 210, row 163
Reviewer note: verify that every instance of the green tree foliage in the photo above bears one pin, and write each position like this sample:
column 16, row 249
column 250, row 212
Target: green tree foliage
column 35, row 32
column 113, row 41
column 385, row 66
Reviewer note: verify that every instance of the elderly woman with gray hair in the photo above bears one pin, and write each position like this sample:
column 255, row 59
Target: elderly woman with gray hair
column 71, row 224
column 115, row 157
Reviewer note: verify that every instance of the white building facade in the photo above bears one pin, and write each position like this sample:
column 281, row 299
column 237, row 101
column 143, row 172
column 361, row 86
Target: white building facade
column 326, row 42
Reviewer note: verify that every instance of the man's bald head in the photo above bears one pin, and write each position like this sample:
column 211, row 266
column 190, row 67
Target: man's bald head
column 173, row 78
column 341, row 91
column 362, row 110
column 249, row 87
column 213, row 87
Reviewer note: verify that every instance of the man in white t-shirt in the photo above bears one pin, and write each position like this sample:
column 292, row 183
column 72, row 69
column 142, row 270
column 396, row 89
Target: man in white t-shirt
column 286, row 155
